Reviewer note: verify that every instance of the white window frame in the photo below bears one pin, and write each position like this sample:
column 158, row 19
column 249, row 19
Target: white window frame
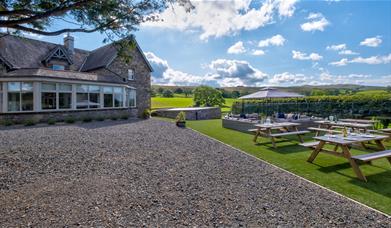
column 21, row 91
column 130, row 74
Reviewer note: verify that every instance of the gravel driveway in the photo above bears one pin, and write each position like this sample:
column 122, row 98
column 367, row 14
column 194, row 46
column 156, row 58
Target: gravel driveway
column 151, row 172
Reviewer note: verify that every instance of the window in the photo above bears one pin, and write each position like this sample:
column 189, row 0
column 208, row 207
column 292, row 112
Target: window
column 87, row 96
column 48, row 96
column 58, row 67
column 1, row 97
column 118, row 97
column 131, row 98
column 64, row 96
column 130, row 74
column 20, row 96
column 108, row 97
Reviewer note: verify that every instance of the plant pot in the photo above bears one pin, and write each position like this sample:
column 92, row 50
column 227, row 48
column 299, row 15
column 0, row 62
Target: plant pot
column 181, row 124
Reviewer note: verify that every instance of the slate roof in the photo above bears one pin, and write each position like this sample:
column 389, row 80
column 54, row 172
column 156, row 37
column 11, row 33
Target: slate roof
column 28, row 54
column 62, row 74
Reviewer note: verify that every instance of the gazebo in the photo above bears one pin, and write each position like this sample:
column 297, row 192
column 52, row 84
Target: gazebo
column 269, row 93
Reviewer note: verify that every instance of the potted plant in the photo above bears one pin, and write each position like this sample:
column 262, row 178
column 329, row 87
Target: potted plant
column 180, row 119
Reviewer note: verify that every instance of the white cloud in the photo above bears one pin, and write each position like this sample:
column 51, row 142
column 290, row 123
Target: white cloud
column 371, row 42
column 222, row 18
column 347, row 52
column 236, row 68
column 258, row 52
column 336, row 47
column 373, row 60
column 237, row 48
column 276, row 40
column 316, row 22
column 303, row 56
column 342, row 62
column 287, row 77
column 286, row 7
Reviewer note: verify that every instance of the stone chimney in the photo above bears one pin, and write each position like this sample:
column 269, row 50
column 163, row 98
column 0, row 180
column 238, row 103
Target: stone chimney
column 69, row 44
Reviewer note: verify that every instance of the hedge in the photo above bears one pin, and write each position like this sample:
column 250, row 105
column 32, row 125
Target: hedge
column 343, row 106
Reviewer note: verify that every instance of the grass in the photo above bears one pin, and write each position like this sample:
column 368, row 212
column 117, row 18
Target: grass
column 181, row 102
column 329, row 171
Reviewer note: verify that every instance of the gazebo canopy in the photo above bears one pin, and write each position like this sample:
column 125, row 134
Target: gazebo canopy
column 270, row 93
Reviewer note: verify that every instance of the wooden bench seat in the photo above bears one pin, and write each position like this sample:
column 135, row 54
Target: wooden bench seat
column 289, row 133
column 252, row 130
column 373, row 156
column 310, row 144
column 324, row 130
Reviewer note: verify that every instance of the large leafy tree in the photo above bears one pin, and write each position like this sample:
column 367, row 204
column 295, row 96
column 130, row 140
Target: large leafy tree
column 207, row 96
column 117, row 19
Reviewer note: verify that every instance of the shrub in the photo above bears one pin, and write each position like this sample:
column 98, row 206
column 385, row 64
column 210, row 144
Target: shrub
column 70, row 119
column 100, row 118
column 124, row 116
column 29, row 122
column 51, row 121
column 146, row 114
column 168, row 93
column 181, row 117
column 154, row 113
column 114, row 117
column 86, row 119
column 6, row 122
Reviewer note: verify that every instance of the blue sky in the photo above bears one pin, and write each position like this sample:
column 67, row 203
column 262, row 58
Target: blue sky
column 273, row 42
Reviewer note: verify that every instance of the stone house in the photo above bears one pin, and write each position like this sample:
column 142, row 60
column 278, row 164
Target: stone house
column 43, row 80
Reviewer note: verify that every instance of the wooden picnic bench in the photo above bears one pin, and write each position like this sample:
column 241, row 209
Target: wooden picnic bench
column 344, row 143
column 318, row 130
column 265, row 130
column 371, row 157
column 312, row 144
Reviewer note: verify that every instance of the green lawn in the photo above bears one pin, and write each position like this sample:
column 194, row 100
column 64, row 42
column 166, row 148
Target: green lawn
column 329, row 171
column 179, row 102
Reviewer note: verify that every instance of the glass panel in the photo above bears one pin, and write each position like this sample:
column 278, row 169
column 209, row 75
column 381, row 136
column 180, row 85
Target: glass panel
column 108, row 100
column 48, row 87
column 27, row 101
column 13, row 86
column 81, row 100
column 48, row 100
column 1, row 102
column 130, row 74
column 58, row 67
column 13, row 101
column 82, row 88
column 107, row 89
column 27, row 86
column 65, row 100
column 1, row 87
column 118, row 100
column 132, row 98
column 94, row 100
column 117, row 90
column 93, row 88
column 65, row 87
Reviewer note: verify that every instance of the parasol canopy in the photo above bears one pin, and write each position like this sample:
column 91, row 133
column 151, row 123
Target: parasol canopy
column 270, row 93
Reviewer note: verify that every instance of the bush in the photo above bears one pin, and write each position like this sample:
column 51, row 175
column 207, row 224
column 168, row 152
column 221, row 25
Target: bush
column 51, row 121
column 114, row 117
column 70, row 119
column 181, row 117
column 29, row 122
column 154, row 113
column 7, row 122
column 86, row 119
column 167, row 93
column 146, row 114
column 100, row 118
column 124, row 116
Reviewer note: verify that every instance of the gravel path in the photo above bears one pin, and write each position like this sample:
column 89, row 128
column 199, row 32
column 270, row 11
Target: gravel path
column 150, row 172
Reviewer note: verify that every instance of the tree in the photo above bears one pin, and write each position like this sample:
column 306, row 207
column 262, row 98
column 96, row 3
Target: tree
column 178, row 90
column 160, row 90
column 389, row 89
column 207, row 96
column 168, row 93
column 235, row 94
column 117, row 19
column 187, row 92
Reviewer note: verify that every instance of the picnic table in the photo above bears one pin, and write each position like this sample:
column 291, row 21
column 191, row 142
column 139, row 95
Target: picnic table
column 325, row 124
column 344, row 143
column 285, row 129
column 359, row 121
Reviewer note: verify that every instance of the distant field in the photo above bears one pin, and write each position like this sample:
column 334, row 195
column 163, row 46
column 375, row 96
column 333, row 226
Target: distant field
column 179, row 102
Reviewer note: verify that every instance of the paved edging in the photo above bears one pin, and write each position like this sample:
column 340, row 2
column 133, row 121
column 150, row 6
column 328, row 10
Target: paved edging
column 371, row 208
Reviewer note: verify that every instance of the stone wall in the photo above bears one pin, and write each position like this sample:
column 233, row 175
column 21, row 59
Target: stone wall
column 142, row 80
column 196, row 114
column 62, row 115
